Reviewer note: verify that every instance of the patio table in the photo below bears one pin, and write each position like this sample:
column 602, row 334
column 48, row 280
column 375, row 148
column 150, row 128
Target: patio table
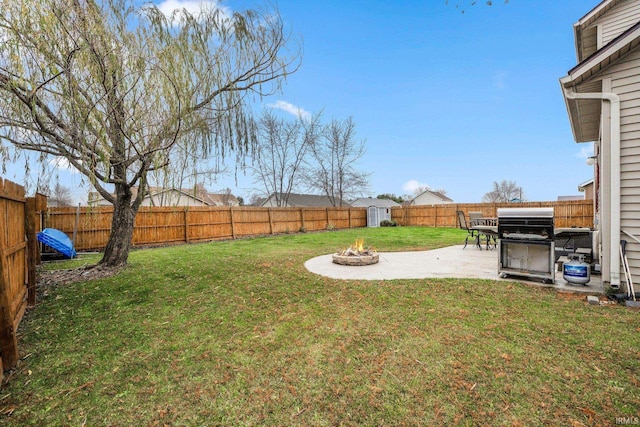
column 488, row 227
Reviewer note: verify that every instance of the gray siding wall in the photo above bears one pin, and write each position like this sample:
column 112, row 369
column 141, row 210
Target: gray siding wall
column 589, row 43
column 625, row 81
column 617, row 20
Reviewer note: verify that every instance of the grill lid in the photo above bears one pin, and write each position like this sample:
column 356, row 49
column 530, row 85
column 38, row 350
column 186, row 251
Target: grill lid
column 525, row 212
column 525, row 223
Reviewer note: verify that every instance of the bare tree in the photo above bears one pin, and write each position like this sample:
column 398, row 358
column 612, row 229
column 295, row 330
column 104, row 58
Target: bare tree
column 255, row 199
column 60, row 196
column 505, row 191
column 464, row 5
column 441, row 192
column 114, row 89
column 280, row 152
column 190, row 167
column 420, row 189
column 227, row 196
column 334, row 172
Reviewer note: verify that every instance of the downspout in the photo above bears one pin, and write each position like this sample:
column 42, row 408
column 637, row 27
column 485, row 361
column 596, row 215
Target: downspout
column 614, row 197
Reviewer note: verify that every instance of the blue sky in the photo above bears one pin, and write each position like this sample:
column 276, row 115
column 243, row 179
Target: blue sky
column 446, row 99
column 450, row 100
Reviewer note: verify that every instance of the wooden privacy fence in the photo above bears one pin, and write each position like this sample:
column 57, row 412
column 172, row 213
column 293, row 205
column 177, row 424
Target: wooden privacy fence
column 89, row 227
column 18, row 258
column 572, row 213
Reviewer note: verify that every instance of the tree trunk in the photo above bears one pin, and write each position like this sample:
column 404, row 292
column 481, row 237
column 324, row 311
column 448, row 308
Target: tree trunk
column 116, row 252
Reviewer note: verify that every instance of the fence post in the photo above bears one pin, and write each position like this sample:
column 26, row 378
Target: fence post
column 302, row 218
column 327, row 227
column 233, row 225
column 32, row 249
column 270, row 221
column 75, row 226
column 435, row 217
column 186, row 224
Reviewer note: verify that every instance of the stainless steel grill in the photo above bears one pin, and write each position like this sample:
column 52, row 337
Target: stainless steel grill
column 526, row 246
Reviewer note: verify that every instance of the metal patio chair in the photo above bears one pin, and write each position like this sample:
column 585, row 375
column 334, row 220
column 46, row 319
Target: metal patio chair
column 471, row 233
column 474, row 216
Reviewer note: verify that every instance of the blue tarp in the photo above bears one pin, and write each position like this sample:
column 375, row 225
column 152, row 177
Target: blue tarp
column 57, row 240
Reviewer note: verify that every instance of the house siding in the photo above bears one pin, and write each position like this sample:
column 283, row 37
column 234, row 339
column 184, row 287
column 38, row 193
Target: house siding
column 429, row 199
column 589, row 43
column 379, row 203
column 625, row 81
column 618, row 71
column 171, row 198
column 588, row 191
column 272, row 203
column 617, row 20
column 300, row 200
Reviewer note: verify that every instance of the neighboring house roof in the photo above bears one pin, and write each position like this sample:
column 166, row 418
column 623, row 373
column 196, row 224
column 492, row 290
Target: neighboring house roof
column 259, row 201
column 95, row 197
column 582, row 186
column 569, row 198
column 442, row 196
column 435, row 194
column 154, row 192
column 204, row 197
column 220, row 199
column 370, row 201
column 311, row 200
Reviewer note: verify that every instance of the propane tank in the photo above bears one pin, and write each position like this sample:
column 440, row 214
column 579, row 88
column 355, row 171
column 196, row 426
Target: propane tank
column 576, row 270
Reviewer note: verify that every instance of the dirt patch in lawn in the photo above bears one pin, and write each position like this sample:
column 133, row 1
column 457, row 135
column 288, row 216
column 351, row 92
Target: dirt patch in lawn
column 46, row 281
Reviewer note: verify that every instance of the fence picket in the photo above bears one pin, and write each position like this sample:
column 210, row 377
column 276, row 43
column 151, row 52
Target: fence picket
column 17, row 267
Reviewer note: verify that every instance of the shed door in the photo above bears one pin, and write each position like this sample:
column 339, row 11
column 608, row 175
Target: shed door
column 372, row 217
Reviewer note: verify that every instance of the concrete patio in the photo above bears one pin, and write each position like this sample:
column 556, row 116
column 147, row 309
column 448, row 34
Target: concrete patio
column 449, row 262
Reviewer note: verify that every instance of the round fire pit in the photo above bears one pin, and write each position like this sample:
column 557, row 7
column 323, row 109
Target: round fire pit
column 368, row 259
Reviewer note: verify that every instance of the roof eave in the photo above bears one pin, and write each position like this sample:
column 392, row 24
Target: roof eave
column 573, row 110
column 596, row 12
column 582, row 186
column 584, row 72
column 577, row 37
column 600, row 59
column 588, row 19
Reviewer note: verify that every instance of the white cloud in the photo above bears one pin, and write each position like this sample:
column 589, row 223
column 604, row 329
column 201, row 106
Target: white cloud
column 63, row 164
column 585, row 152
column 194, row 7
column 412, row 185
column 291, row 109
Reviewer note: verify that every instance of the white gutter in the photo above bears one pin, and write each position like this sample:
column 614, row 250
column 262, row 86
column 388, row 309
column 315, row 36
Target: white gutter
column 614, row 204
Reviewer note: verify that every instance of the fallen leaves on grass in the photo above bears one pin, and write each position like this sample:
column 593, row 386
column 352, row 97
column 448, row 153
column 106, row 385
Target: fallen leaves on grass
column 47, row 280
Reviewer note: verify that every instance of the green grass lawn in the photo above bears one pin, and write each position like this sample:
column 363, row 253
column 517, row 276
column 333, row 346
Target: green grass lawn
column 238, row 333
